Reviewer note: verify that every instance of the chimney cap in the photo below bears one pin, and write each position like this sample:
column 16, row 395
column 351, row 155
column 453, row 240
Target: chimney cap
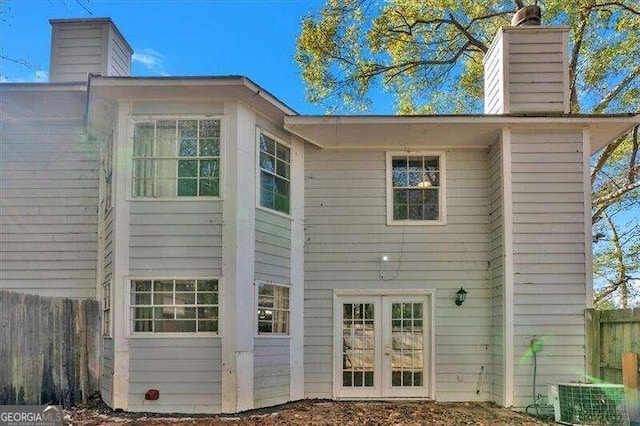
column 528, row 15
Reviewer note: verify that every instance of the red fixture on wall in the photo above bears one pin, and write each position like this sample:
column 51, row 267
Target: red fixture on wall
column 152, row 395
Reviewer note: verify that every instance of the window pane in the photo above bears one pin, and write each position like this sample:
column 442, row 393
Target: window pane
column 431, row 212
column 209, row 168
column 209, row 188
column 209, row 148
column 208, row 326
column 282, row 187
column 188, row 147
column 267, row 162
column 400, row 212
column 415, row 164
column 209, row 128
column 141, row 285
column 184, row 312
column 267, row 144
column 207, row 298
column 414, row 212
column 185, row 299
column 414, row 196
column 188, row 168
column 185, row 285
column 188, row 129
column 282, row 152
column 143, row 139
column 210, row 312
column 281, row 203
column 399, row 164
column 187, row 187
column 268, row 182
column 282, row 169
column 163, row 285
column 142, row 299
column 165, row 145
column 207, row 285
column 431, row 163
column 431, row 196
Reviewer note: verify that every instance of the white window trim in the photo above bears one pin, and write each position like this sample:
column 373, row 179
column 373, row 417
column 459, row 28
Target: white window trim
column 151, row 335
column 135, row 119
column 107, row 331
column 279, row 140
column 442, row 194
column 255, row 313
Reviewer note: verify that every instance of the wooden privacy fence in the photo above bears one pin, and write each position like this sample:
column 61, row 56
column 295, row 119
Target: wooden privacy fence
column 609, row 335
column 49, row 349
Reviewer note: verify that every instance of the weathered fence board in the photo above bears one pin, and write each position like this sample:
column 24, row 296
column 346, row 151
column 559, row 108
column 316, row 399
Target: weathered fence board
column 609, row 335
column 49, row 349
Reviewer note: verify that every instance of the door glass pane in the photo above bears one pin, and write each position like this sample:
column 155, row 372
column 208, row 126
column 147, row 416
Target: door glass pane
column 358, row 345
column 407, row 361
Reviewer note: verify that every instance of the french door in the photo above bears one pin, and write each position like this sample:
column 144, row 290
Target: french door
column 382, row 346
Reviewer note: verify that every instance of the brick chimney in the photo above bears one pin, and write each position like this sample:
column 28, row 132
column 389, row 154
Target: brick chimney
column 526, row 70
column 83, row 46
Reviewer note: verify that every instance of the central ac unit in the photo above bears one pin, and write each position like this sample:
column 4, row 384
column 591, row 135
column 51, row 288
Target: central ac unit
column 589, row 404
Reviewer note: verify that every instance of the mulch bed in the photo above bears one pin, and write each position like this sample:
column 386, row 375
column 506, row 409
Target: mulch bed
column 321, row 412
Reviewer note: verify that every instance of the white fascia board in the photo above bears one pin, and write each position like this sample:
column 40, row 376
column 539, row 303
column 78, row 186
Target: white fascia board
column 48, row 87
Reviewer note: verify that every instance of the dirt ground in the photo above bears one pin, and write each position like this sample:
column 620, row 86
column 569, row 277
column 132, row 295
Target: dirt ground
column 322, row 412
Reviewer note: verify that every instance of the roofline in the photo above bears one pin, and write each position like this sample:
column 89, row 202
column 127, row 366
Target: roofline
column 460, row 118
column 240, row 80
column 28, row 87
column 93, row 20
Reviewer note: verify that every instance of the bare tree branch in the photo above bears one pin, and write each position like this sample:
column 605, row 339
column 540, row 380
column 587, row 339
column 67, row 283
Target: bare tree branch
column 616, row 90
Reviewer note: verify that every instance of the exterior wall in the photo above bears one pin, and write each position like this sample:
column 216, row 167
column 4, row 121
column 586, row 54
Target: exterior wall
column 496, row 271
column 119, row 62
column 106, row 379
column 549, row 262
column 494, row 77
column 175, row 239
column 526, row 70
column 186, row 371
column 537, row 70
column 82, row 47
column 273, row 247
column 346, row 233
column 271, row 371
column 49, row 186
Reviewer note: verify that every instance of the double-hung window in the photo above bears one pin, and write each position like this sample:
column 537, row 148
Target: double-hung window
column 176, row 158
column 415, row 188
column 273, row 309
column 275, row 174
column 175, row 305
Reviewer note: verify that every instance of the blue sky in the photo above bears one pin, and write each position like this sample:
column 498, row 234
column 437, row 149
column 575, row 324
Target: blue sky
column 253, row 38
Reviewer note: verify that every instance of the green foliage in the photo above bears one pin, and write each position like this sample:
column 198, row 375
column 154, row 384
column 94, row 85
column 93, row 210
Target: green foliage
column 418, row 50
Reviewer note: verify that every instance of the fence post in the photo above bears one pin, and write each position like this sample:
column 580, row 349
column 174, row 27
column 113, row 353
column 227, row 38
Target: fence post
column 593, row 343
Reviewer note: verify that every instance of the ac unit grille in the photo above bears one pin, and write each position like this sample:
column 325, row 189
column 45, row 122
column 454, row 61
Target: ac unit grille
column 589, row 404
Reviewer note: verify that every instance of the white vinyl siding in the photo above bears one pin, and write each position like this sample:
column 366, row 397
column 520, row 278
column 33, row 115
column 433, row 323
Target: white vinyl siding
column 80, row 48
column 346, row 233
column 273, row 247
column 175, row 238
column 271, row 371
column 494, row 77
column 549, row 258
column 106, row 379
column 496, row 271
column 49, row 187
column 186, row 371
column 526, row 70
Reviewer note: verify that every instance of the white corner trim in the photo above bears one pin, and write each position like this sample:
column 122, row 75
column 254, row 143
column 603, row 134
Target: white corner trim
column 296, row 291
column 507, row 229
column 506, row 92
column 121, row 169
column 588, row 231
column 238, row 258
column 565, row 73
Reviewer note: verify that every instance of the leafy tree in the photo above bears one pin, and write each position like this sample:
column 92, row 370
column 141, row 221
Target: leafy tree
column 428, row 55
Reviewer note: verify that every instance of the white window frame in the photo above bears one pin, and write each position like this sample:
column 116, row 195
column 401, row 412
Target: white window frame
column 107, row 166
column 186, row 334
column 107, row 308
column 135, row 119
column 278, row 140
column 257, row 307
column 442, row 193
